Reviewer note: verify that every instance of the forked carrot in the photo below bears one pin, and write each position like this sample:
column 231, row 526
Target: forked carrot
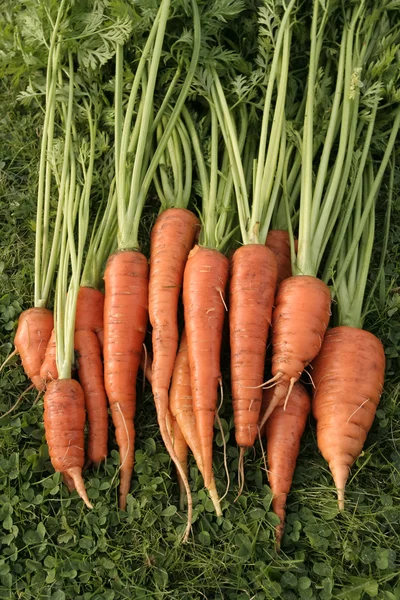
column 181, row 407
column 125, row 322
column 283, row 431
column 34, row 330
column 90, row 372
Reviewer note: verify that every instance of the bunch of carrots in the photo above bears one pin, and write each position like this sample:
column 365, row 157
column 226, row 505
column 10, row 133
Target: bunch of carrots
column 265, row 180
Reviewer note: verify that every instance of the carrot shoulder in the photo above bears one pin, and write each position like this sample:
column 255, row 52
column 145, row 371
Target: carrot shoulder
column 283, row 431
column 299, row 322
column 251, row 298
column 125, row 322
column 348, row 375
column 32, row 336
column 64, row 422
column 204, row 284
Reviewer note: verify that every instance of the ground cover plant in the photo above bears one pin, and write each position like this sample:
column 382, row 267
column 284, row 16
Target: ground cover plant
column 52, row 547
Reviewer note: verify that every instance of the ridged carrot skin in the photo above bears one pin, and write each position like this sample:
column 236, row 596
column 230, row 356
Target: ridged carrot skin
column 299, row 322
column 64, row 423
column 48, row 370
column 204, row 283
column 181, row 407
column 283, row 431
column 32, row 336
column 251, row 298
column 125, row 323
column 279, row 243
column 348, row 375
column 91, row 377
column 172, row 238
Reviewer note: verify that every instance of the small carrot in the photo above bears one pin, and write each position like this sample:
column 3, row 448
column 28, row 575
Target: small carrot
column 299, row 322
column 283, row 431
column 64, row 421
column 278, row 242
column 89, row 312
column 31, row 339
column 180, row 404
column 348, row 374
column 48, row 370
column 125, row 322
column 204, row 284
column 90, row 371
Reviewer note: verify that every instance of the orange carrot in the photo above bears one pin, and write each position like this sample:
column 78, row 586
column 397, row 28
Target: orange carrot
column 299, row 322
column 181, row 451
column 64, row 421
column 172, row 238
column 278, row 241
column 90, row 370
column 251, row 298
column 89, row 312
column 181, row 406
column 283, row 431
column 125, row 322
column 48, row 370
column 34, row 330
column 348, row 374
column 204, row 283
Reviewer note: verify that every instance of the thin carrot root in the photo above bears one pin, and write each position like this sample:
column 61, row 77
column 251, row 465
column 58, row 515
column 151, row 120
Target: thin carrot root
column 349, row 370
column 181, row 450
column 240, row 473
column 34, row 330
column 180, row 403
column 251, row 299
column 14, row 406
column 283, row 431
column 9, row 357
column 205, row 276
column 299, row 323
column 228, row 479
column 125, row 323
column 69, row 482
column 64, row 422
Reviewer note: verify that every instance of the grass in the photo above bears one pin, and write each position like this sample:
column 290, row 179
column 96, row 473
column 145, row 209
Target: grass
column 54, row 548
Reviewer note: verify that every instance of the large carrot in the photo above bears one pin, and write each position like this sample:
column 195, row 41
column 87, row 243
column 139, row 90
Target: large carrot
column 125, row 323
column 181, row 407
column 283, row 431
column 64, row 422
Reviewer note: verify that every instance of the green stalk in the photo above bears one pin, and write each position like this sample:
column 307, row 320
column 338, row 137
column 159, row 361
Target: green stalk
column 207, row 234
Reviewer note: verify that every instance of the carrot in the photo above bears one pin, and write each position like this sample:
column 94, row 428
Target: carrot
column 90, row 371
column 204, row 283
column 181, row 451
column 299, row 322
column 125, row 322
column 348, row 374
column 278, row 242
column 64, row 421
column 252, row 291
column 89, row 312
column 48, row 370
column 283, row 431
column 180, row 404
column 34, row 330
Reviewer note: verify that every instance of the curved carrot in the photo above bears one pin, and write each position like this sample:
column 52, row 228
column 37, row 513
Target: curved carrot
column 48, row 370
column 299, row 323
column 181, row 407
column 283, row 431
column 251, row 298
column 64, row 422
column 125, row 322
column 204, row 284
column 348, row 374
column 90, row 371
column 181, row 451
column 279, row 243
column 32, row 336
